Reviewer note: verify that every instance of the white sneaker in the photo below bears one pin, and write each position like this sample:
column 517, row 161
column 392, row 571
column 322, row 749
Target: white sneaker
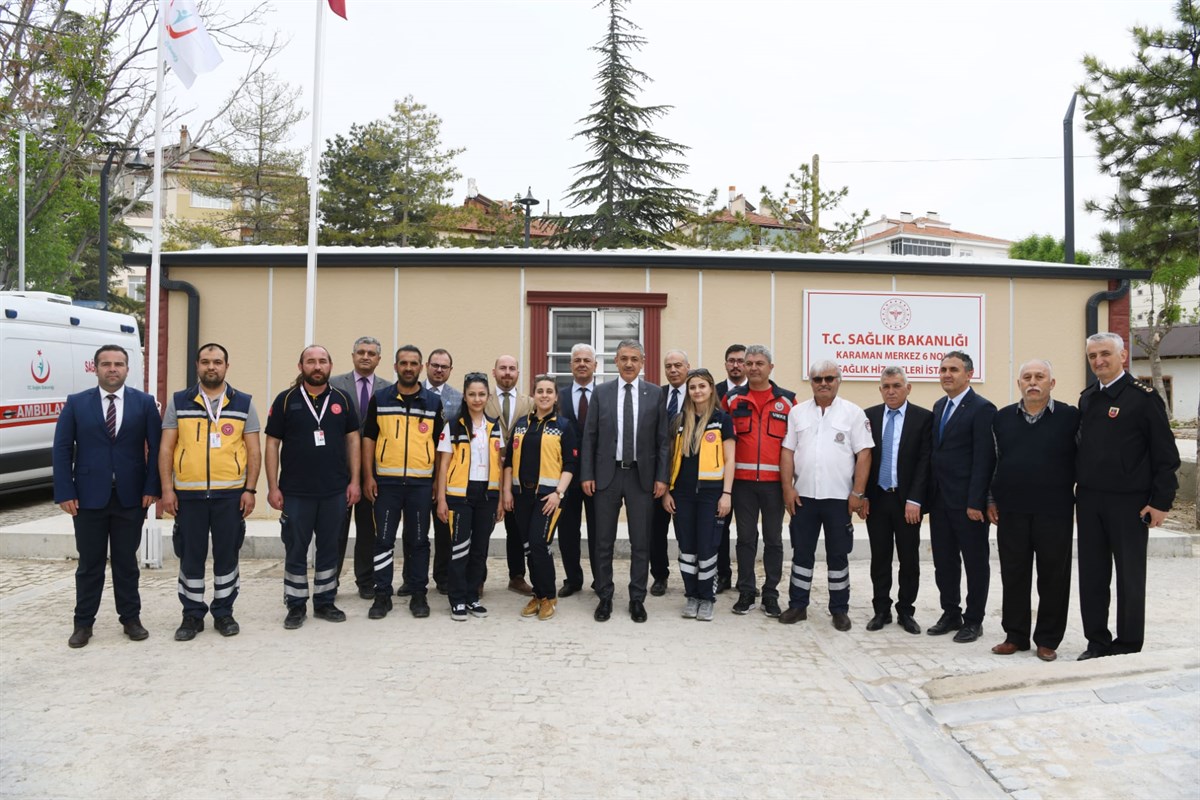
column 458, row 612
column 690, row 608
column 705, row 612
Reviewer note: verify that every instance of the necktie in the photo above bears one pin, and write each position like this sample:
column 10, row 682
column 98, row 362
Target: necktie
column 885, row 459
column 506, row 408
column 673, row 406
column 110, row 417
column 364, row 397
column 945, row 418
column 582, row 415
column 627, row 448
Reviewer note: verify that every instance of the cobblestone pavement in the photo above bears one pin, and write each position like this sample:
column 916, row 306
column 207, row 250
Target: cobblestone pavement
column 508, row 707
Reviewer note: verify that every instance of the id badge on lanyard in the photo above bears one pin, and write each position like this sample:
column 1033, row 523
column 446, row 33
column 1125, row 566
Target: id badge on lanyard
column 214, row 438
column 318, row 434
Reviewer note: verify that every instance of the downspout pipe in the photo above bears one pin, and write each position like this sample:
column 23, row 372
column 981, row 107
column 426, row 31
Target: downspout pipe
column 1091, row 317
column 193, row 321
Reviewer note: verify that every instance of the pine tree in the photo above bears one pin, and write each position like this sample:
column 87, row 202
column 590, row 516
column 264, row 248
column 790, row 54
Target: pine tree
column 628, row 177
column 1145, row 119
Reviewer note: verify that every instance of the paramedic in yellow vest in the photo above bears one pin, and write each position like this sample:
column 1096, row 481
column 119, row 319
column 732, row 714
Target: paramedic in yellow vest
column 700, row 497
column 541, row 459
column 470, row 463
column 208, row 461
column 399, row 441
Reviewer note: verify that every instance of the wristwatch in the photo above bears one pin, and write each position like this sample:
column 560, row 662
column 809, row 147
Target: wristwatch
column 561, row 496
column 859, row 496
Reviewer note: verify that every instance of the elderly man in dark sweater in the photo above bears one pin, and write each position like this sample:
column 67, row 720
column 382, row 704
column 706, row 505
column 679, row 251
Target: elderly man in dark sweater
column 1032, row 505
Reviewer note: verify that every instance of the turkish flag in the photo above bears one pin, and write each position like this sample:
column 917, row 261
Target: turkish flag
column 338, row 7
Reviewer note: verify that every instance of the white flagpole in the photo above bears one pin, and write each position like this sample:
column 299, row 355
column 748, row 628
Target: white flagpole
column 314, row 184
column 156, row 193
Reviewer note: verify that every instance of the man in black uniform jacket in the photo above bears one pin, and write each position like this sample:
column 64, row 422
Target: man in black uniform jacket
column 1125, row 473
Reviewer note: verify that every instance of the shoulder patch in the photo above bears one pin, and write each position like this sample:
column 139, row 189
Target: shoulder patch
column 1148, row 389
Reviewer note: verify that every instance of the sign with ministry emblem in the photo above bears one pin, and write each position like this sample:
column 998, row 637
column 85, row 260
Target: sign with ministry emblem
column 863, row 332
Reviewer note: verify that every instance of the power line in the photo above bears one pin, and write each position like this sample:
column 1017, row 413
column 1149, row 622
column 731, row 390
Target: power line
column 948, row 160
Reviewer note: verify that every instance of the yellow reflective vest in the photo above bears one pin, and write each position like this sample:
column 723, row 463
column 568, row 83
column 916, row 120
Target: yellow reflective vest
column 711, row 454
column 200, row 467
column 406, row 446
column 551, row 456
column 460, row 458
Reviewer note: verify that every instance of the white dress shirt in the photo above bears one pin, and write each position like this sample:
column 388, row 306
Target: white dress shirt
column 577, row 392
column 824, row 447
column 897, row 431
column 512, row 403
column 119, row 403
column 621, row 417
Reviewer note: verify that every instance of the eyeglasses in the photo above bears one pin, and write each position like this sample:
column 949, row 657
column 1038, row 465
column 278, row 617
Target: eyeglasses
column 439, row 366
column 824, row 379
column 735, row 360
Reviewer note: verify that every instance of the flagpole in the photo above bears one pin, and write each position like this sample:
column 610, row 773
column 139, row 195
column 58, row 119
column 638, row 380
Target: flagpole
column 314, row 184
column 156, row 193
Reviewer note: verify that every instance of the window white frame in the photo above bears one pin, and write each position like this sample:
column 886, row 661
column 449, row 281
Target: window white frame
column 600, row 327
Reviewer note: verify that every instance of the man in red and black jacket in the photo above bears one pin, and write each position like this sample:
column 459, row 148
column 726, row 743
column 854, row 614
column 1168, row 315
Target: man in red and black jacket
column 760, row 412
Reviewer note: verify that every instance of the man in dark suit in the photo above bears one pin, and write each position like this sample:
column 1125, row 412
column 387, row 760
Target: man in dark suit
column 507, row 404
column 573, row 403
column 896, row 497
column 963, row 460
column 102, row 478
column 675, row 367
column 360, row 385
column 624, row 459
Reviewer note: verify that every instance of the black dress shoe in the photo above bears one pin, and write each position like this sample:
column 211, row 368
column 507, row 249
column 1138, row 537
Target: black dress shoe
column 569, row 589
column 405, row 590
column 841, row 621
column 366, row 592
column 637, row 611
column 659, row 587
column 79, row 637
column 603, row 610
column 969, row 632
column 724, row 585
column 1089, row 654
column 134, row 630
column 944, row 625
column 878, row 621
column 443, row 588
column 909, row 624
column 418, row 606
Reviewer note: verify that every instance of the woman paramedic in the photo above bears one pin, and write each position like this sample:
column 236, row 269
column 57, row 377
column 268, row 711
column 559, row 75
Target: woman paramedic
column 541, row 459
column 702, row 469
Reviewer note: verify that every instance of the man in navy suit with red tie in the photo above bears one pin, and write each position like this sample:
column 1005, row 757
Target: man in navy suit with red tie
column 103, row 480
column 963, row 460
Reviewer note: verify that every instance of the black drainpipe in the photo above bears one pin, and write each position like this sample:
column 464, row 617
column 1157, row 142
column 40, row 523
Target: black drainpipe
column 193, row 321
column 1091, row 318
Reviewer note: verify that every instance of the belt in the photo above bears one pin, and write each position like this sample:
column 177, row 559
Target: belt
column 626, row 465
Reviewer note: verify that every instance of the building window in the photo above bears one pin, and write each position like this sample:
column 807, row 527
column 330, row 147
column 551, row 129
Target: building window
column 201, row 200
column 919, row 247
column 602, row 328
column 136, row 287
column 965, row 253
column 559, row 320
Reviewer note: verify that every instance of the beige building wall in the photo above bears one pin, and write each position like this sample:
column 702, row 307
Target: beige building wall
column 479, row 313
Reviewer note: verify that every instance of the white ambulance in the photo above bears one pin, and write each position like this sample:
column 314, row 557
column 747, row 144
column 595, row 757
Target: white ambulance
column 47, row 347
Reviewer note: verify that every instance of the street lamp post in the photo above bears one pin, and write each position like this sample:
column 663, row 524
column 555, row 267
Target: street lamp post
column 138, row 164
column 529, row 202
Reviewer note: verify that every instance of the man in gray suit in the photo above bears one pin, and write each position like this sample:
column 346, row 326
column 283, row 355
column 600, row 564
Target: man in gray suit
column 360, row 385
column 624, row 458
column 438, row 367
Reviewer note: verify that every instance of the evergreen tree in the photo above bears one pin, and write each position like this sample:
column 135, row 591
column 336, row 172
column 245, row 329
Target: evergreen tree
column 1145, row 119
column 384, row 183
column 628, row 177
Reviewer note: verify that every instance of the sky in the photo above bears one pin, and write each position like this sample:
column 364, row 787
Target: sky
column 953, row 107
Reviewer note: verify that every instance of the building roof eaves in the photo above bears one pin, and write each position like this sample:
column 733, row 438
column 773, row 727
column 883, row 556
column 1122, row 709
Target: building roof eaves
column 391, row 257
